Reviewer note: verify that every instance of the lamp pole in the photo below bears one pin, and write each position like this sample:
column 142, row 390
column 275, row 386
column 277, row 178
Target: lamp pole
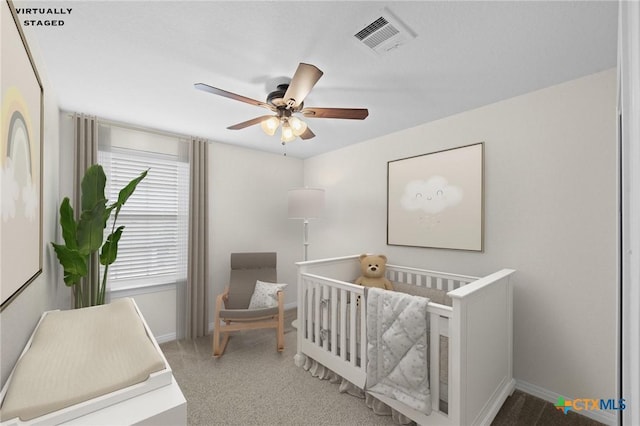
column 305, row 241
column 305, row 204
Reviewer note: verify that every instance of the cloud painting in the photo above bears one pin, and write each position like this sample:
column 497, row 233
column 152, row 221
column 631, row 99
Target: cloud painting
column 435, row 200
column 431, row 196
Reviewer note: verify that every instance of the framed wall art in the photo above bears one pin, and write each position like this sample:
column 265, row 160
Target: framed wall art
column 436, row 199
column 20, row 161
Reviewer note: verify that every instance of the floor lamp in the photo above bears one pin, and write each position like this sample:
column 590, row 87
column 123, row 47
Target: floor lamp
column 306, row 203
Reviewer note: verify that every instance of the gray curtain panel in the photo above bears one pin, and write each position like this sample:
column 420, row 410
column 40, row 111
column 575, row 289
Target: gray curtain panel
column 197, row 310
column 86, row 154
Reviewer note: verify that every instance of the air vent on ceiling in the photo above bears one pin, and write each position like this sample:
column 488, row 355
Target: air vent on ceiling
column 386, row 32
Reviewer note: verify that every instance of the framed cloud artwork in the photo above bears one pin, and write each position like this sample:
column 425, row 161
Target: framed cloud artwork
column 436, row 199
column 20, row 161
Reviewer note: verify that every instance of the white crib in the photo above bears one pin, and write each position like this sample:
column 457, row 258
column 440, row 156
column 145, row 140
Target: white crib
column 478, row 326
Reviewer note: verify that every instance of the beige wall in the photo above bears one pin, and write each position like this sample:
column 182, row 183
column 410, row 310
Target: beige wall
column 550, row 213
column 249, row 212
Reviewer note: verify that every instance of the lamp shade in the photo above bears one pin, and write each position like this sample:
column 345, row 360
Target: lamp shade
column 306, row 203
column 287, row 133
column 270, row 125
column 298, row 126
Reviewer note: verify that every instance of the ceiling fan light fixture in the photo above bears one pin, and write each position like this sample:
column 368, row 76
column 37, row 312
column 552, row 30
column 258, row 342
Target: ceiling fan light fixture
column 270, row 125
column 298, row 126
column 295, row 92
column 287, row 133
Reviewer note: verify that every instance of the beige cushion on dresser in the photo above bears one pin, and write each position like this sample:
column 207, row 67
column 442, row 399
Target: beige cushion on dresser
column 78, row 355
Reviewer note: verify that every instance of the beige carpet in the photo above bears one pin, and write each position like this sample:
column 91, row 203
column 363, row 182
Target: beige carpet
column 253, row 384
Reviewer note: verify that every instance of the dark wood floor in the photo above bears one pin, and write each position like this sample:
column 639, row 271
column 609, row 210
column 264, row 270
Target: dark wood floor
column 522, row 409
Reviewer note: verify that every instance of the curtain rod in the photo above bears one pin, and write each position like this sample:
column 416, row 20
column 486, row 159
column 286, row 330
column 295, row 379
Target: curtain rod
column 140, row 128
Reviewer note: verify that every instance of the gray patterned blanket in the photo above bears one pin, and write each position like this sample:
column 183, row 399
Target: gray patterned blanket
column 397, row 330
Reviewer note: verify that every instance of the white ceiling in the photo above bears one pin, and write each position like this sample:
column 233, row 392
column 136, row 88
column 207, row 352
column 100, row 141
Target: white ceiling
column 136, row 62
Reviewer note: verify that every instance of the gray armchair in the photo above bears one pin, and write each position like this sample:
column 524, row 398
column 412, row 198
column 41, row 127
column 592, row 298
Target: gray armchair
column 232, row 311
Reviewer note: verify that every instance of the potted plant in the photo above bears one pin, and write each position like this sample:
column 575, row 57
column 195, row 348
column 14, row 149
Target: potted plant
column 84, row 237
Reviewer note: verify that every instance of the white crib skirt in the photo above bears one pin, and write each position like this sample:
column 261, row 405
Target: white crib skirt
column 323, row 373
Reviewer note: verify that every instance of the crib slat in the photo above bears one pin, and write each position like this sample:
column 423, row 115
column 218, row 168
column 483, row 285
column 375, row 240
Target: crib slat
column 452, row 398
column 310, row 310
column 444, row 326
column 352, row 330
column 316, row 300
column 309, row 313
column 450, row 284
column 325, row 316
column 434, row 367
column 363, row 335
column 429, row 281
column 343, row 324
column 334, row 320
column 439, row 283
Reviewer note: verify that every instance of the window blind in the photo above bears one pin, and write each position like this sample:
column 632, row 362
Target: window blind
column 153, row 246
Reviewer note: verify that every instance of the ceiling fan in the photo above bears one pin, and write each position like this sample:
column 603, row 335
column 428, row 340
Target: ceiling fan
column 287, row 100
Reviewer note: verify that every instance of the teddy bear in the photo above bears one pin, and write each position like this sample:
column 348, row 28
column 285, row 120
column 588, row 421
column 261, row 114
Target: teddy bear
column 373, row 268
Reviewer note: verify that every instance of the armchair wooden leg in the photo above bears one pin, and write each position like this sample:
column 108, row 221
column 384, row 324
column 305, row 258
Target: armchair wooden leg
column 218, row 348
column 280, row 331
column 223, row 345
column 216, row 340
column 280, row 328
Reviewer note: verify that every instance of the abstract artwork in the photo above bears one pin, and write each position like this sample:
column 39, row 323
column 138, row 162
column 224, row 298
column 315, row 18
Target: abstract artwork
column 436, row 199
column 20, row 162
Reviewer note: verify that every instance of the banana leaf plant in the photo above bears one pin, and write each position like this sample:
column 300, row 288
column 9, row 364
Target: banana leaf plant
column 84, row 237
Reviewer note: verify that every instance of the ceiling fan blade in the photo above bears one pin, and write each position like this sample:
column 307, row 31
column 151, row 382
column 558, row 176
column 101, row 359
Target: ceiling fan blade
column 303, row 80
column 346, row 113
column 308, row 134
column 248, row 123
column 230, row 95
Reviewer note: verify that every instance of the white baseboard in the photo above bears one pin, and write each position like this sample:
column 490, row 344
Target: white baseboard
column 605, row 417
column 166, row 338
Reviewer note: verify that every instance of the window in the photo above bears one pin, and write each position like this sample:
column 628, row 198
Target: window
column 153, row 246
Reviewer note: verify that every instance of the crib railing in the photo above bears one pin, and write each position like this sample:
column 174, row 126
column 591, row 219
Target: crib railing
column 424, row 278
column 333, row 325
column 330, row 315
column 332, row 331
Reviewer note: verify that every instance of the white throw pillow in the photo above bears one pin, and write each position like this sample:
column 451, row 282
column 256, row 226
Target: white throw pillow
column 265, row 295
